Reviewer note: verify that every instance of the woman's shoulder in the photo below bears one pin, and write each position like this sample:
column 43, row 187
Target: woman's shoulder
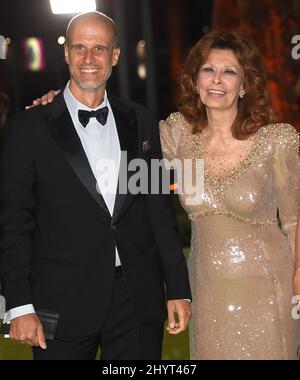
column 171, row 133
column 174, row 119
column 175, row 123
column 281, row 133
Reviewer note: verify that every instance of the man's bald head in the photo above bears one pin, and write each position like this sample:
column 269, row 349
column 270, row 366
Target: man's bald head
column 93, row 16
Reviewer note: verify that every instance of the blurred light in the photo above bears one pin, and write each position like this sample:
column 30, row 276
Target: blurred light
column 72, row 6
column 206, row 29
column 7, row 40
column 142, row 71
column 141, row 44
column 61, row 40
column 2, row 47
column 34, row 53
column 141, row 49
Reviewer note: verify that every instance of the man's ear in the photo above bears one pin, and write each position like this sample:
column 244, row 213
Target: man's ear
column 66, row 52
column 116, row 56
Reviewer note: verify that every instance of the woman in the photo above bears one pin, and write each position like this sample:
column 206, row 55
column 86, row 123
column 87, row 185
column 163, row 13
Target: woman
column 241, row 261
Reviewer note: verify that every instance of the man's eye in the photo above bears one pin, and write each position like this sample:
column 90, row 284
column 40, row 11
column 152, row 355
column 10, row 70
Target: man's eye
column 98, row 49
column 79, row 48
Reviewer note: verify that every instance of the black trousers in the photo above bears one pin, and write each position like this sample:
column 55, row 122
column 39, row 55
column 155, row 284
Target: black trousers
column 122, row 336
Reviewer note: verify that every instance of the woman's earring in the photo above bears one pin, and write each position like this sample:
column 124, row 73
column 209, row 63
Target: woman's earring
column 197, row 88
column 242, row 94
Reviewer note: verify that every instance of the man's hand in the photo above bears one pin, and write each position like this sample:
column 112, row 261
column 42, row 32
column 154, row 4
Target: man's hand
column 183, row 310
column 45, row 99
column 28, row 329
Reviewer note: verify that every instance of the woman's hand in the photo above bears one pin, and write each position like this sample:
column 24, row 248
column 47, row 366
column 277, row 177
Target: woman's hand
column 296, row 281
column 45, row 99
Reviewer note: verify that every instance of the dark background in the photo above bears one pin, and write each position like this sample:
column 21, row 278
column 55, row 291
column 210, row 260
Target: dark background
column 170, row 28
column 152, row 20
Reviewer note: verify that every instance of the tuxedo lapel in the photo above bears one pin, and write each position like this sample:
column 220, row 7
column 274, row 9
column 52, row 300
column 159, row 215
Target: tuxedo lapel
column 64, row 133
column 126, row 122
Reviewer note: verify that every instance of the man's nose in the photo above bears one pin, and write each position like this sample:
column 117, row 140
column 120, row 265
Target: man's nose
column 88, row 56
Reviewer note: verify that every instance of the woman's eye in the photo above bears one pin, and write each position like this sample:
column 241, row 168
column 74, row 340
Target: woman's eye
column 207, row 69
column 230, row 72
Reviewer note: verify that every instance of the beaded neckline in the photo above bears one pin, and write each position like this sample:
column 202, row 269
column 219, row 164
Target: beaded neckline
column 221, row 183
column 233, row 173
column 284, row 133
column 217, row 184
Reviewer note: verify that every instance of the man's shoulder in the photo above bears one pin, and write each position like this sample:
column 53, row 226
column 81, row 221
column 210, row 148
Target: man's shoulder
column 27, row 115
column 38, row 113
column 20, row 126
column 22, row 122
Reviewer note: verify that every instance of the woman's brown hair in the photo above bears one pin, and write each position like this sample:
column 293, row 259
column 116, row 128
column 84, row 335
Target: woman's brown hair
column 254, row 110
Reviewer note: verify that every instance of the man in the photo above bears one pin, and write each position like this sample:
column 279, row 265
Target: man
column 95, row 260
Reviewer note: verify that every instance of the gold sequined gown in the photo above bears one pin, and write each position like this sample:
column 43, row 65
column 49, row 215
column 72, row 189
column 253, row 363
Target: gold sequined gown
column 241, row 260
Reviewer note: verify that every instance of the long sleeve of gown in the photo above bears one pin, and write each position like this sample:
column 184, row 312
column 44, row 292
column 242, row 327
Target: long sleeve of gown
column 286, row 172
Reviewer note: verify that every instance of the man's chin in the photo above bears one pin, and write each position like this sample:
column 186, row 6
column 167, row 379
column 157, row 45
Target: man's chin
column 90, row 87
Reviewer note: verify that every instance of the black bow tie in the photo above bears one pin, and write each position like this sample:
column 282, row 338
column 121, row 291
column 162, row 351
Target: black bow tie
column 100, row 115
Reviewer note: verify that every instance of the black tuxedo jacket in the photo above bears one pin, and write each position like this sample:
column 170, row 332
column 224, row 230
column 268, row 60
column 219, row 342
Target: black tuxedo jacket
column 58, row 244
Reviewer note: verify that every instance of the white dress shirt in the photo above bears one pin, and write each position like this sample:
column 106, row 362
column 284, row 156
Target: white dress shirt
column 102, row 148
